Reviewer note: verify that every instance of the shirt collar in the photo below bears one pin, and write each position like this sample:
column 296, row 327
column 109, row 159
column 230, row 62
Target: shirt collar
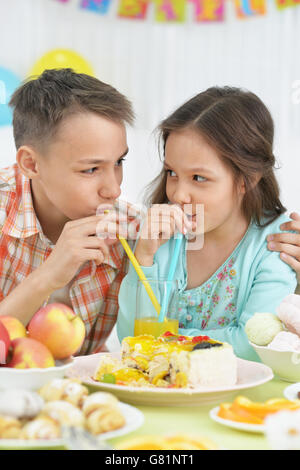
column 22, row 221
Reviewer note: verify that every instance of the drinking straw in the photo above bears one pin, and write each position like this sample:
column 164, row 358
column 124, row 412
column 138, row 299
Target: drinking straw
column 139, row 271
column 170, row 277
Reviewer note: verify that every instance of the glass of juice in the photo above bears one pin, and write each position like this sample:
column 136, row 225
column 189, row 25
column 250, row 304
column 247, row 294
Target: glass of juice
column 146, row 318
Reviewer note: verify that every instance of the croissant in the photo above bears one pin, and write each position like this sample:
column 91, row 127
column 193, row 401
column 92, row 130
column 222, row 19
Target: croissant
column 63, row 413
column 70, row 390
column 98, row 400
column 41, row 427
column 104, row 420
column 10, row 428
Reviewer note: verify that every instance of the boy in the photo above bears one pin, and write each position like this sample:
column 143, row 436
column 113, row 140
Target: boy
column 70, row 136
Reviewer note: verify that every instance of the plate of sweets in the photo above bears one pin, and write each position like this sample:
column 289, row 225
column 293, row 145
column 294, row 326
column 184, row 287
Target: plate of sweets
column 172, row 370
column 38, row 419
column 246, row 415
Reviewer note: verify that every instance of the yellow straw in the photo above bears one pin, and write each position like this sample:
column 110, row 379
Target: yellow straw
column 139, row 271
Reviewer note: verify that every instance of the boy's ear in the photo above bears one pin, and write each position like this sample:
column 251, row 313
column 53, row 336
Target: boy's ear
column 27, row 161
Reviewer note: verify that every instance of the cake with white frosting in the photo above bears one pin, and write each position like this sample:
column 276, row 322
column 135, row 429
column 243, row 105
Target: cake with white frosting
column 172, row 361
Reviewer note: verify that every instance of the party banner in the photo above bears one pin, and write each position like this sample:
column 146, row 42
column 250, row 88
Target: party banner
column 246, row 8
column 286, row 3
column 97, row 6
column 136, row 9
column 169, row 10
column 209, row 10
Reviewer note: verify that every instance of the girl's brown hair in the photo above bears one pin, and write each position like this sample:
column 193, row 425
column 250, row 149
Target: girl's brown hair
column 240, row 128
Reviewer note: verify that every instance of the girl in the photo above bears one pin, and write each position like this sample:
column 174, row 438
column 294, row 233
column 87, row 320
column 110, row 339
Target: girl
column 218, row 156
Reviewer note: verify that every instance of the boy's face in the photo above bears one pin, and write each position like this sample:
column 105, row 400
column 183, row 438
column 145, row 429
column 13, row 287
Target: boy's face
column 82, row 166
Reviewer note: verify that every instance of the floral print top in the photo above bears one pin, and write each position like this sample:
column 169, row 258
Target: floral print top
column 197, row 307
column 252, row 279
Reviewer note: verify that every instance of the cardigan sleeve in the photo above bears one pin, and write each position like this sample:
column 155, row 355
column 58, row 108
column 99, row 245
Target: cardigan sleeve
column 273, row 281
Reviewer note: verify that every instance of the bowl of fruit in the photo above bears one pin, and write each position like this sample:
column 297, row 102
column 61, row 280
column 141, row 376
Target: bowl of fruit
column 31, row 357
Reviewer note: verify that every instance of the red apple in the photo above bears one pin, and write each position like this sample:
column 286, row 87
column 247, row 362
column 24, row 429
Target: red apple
column 15, row 328
column 28, row 353
column 59, row 328
column 4, row 343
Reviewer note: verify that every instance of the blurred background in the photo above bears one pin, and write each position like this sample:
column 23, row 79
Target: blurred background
column 159, row 63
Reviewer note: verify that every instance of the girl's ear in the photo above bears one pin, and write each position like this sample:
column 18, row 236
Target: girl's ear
column 27, row 161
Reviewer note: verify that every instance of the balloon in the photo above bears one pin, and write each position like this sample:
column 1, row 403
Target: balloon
column 62, row 58
column 8, row 83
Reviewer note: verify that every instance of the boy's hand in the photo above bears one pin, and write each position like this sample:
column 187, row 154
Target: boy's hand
column 161, row 222
column 79, row 243
column 288, row 244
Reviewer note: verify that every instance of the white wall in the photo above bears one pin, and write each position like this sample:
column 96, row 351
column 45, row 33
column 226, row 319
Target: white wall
column 159, row 66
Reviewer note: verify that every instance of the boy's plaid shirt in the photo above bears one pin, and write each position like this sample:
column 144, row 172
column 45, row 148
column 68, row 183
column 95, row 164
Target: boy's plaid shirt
column 23, row 248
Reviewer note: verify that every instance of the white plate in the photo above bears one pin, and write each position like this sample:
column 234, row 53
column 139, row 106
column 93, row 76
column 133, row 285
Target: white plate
column 248, row 427
column 250, row 374
column 291, row 392
column 32, row 379
column 134, row 419
column 285, row 364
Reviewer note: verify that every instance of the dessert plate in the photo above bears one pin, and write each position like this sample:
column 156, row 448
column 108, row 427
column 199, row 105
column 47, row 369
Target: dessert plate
column 134, row 419
column 291, row 392
column 248, row 427
column 250, row 374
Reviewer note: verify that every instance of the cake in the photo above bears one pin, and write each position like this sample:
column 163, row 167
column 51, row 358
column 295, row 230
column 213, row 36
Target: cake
column 173, row 361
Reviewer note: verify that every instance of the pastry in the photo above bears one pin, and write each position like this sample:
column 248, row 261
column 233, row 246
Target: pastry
column 104, row 419
column 70, row 390
column 10, row 428
column 20, row 403
column 289, row 313
column 63, row 413
column 171, row 361
column 102, row 413
column 99, row 400
column 286, row 341
column 262, row 328
column 41, row 427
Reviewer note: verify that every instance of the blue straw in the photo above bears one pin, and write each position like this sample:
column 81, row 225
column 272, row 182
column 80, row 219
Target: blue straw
column 170, row 277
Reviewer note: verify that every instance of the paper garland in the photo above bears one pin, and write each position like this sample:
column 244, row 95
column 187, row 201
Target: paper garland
column 246, row 8
column 175, row 10
column 208, row 10
column 136, row 9
column 97, row 6
column 281, row 4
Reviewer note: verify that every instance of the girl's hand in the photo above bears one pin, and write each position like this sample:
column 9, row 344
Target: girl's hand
column 288, row 244
column 161, row 222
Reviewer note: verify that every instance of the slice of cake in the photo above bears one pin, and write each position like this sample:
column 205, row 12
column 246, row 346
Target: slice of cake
column 171, row 361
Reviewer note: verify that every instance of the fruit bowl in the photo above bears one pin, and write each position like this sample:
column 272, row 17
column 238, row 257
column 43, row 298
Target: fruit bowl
column 285, row 364
column 32, row 379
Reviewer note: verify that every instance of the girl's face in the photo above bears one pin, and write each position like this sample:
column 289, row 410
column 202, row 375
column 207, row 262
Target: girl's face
column 197, row 178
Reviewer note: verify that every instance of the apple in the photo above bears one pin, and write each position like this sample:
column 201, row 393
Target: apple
column 28, row 353
column 4, row 343
column 59, row 328
column 15, row 328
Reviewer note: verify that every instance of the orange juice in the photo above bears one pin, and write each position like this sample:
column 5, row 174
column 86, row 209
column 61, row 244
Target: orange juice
column 151, row 326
